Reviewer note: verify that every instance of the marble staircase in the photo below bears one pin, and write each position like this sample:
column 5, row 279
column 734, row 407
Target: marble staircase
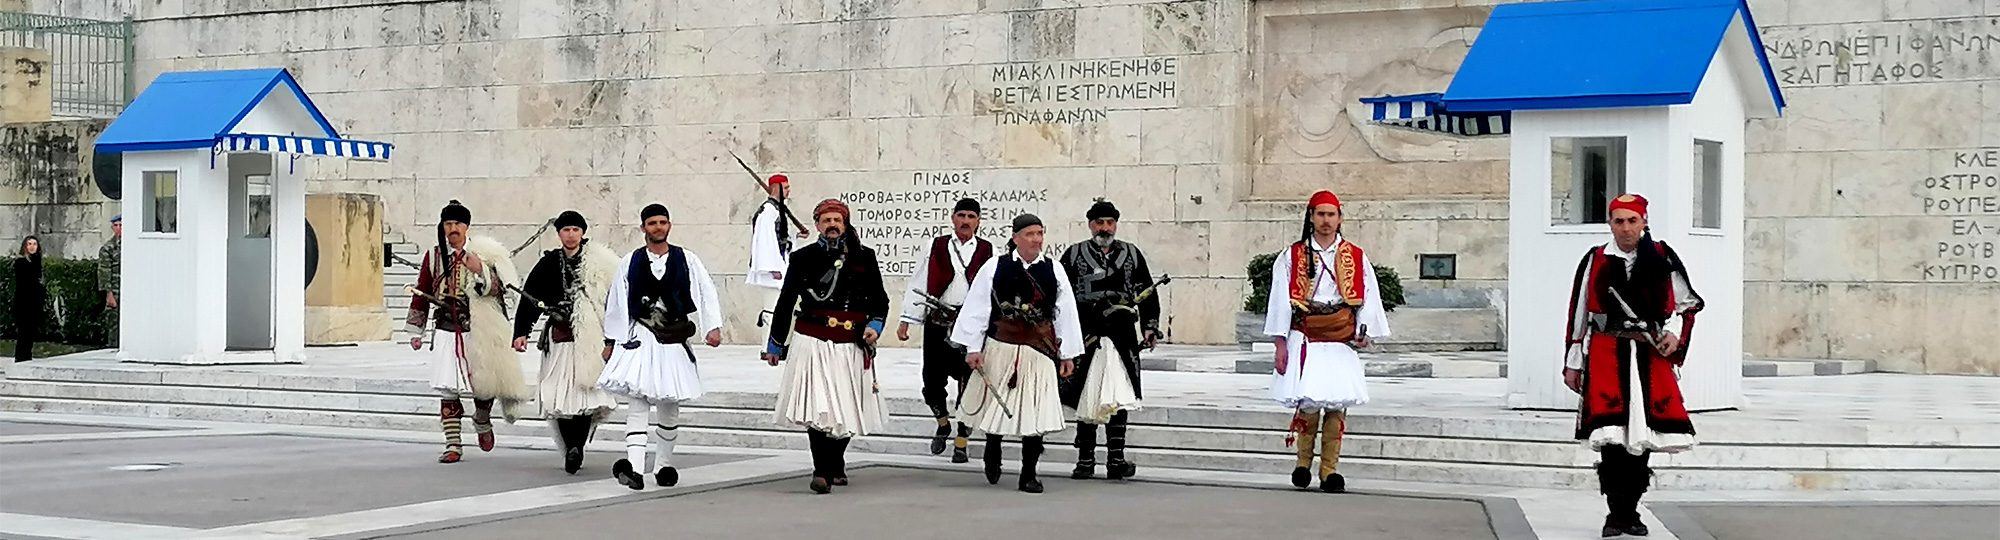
column 1527, row 449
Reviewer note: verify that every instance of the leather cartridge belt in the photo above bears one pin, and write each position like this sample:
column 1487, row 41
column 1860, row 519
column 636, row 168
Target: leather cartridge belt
column 1038, row 335
column 1323, row 323
column 830, row 325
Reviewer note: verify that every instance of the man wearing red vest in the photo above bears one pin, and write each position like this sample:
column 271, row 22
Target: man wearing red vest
column 1631, row 314
column 1325, row 305
column 944, row 276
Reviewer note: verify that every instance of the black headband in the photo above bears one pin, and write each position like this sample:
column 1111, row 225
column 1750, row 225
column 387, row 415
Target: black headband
column 655, row 209
column 1024, row 221
column 1103, row 209
column 455, row 212
column 569, row 218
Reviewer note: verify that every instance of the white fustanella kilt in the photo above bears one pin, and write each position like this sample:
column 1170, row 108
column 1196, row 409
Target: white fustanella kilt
column 655, row 372
column 1035, row 400
column 562, row 394
column 448, row 375
column 825, row 387
column 1332, row 377
column 1106, row 388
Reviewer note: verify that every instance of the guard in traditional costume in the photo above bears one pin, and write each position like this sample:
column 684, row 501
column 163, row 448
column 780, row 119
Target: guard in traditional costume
column 936, row 292
column 1631, row 315
column 1325, row 304
column 770, row 247
column 828, row 384
column 661, row 299
column 577, row 274
column 1121, row 316
column 460, row 290
column 1020, row 321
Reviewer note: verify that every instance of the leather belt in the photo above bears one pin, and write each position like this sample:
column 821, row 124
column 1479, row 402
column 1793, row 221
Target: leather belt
column 834, row 326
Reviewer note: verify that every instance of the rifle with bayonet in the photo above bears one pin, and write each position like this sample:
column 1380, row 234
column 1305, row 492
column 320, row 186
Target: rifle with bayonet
column 766, row 188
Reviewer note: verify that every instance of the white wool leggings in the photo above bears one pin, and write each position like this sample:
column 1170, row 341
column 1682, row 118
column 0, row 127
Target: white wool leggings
column 657, row 423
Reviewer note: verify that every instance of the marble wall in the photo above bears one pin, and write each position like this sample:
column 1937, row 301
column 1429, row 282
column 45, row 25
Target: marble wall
column 1873, row 207
column 47, row 188
column 1870, row 204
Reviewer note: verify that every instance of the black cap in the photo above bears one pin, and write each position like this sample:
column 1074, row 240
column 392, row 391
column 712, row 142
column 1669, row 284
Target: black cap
column 1103, row 209
column 966, row 204
column 1024, row 221
column 455, row 212
column 655, row 209
column 569, row 218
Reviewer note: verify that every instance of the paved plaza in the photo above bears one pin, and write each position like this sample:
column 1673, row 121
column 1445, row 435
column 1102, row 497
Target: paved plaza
column 118, row 478
column 893, row 503
column 71, row 476
column 1840, row 521
column 736, row 368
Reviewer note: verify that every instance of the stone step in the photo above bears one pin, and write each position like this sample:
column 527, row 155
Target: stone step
column 1385, row 438
column 1774, row 367
column 1060, row 456
column 1438, row 297
column 1414, row 329
column 1537, row 426
column 1416, row 325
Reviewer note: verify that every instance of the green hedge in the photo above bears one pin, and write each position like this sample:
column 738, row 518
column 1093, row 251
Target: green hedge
column 1259, row 271
column 72, row 287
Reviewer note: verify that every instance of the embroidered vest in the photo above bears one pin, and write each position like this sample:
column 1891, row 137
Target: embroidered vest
column 1346, row 267
column 941, row 271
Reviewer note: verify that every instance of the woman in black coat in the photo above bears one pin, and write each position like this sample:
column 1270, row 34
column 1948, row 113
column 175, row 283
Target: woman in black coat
column 29, row 298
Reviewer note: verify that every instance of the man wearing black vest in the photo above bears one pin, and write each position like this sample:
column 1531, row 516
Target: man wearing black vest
column 1110, row 276
column 1020, row 326
column 661, row 299
column 944, row 276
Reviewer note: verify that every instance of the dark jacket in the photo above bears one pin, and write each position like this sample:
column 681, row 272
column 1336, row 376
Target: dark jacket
column 814, row 283
column 30, row 296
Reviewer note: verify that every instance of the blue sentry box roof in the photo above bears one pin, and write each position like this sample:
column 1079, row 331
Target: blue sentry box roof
column 1596, row 54
column 189, row 109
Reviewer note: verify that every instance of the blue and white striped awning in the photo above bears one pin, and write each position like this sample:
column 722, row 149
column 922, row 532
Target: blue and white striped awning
column 240, row 142
column 1427, row 112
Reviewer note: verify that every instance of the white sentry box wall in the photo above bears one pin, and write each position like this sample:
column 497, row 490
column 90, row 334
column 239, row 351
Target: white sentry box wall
column 1660, row 164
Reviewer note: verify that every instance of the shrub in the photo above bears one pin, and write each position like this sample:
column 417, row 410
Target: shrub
column 1259, row 271
column 75, row 307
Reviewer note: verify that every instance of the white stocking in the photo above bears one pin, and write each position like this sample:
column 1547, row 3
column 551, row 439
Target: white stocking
column 665, row 430
column 637, row 414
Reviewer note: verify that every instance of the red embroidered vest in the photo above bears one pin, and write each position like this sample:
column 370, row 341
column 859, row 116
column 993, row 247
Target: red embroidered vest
column 1346, row 267
column 941, row 271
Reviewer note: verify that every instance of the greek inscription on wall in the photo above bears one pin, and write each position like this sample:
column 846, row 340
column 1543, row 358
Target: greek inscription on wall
column 1965, row 196
column 1884, row 53
column 900, row 223
column 1081, row 91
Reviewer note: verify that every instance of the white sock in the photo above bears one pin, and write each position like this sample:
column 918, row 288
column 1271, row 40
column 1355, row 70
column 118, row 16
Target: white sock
column 666, row 430
column 635, row 433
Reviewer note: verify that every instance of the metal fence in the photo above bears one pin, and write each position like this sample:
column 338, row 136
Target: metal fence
column 90, row 60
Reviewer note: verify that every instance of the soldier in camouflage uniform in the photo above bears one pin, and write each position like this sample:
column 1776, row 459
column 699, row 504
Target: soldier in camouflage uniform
column 107, row 278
